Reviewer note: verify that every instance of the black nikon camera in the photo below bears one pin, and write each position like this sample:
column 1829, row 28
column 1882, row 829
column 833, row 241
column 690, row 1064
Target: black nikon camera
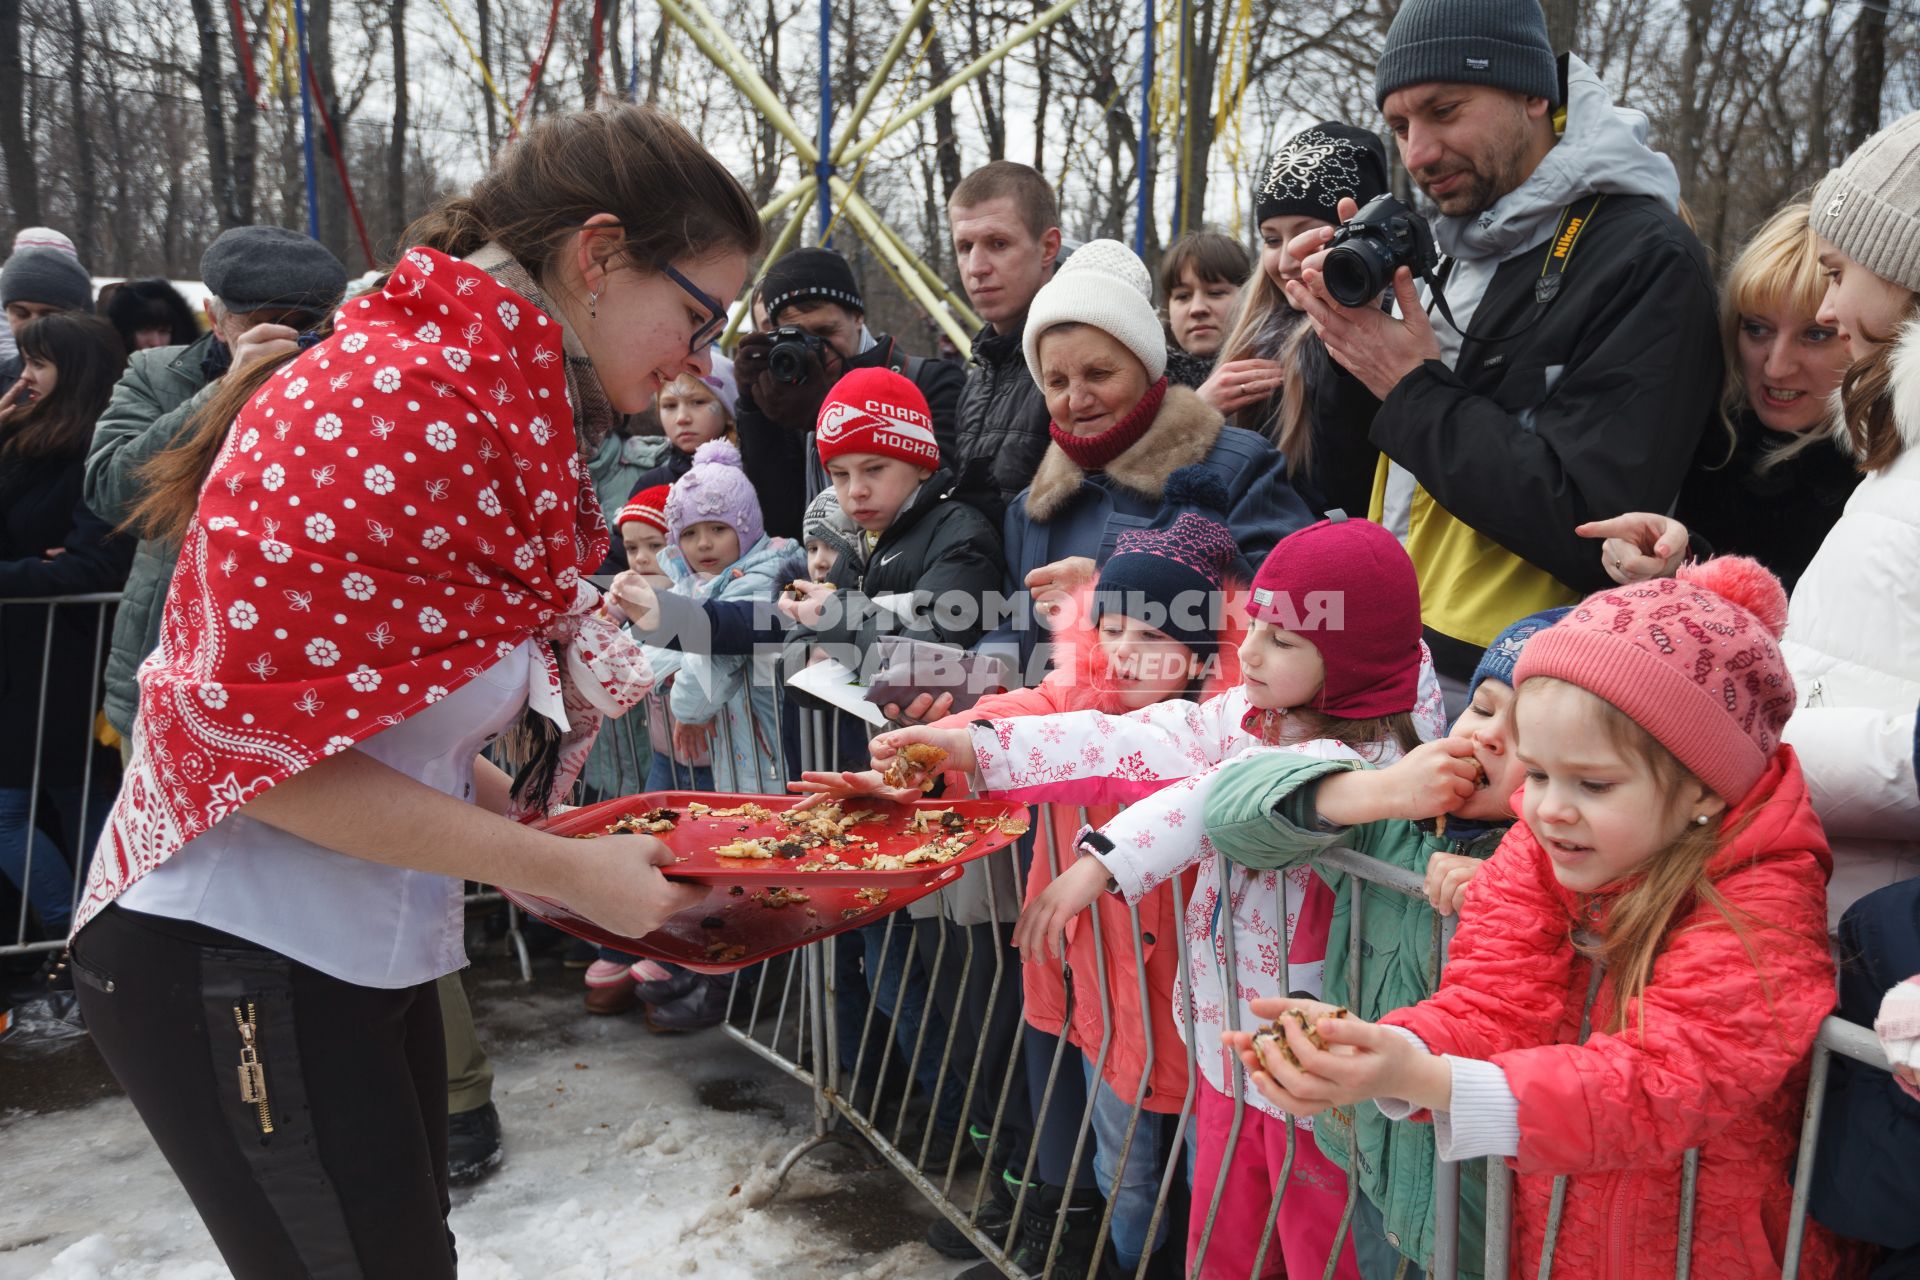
column 787, row 357
column 1370, row 246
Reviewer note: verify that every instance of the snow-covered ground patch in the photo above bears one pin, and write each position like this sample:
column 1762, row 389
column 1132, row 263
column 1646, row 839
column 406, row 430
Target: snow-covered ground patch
column 627, row 1155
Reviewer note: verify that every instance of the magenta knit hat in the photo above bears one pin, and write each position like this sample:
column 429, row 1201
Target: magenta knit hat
column 1693, row 660
column 1348, row 585
column 715, row 488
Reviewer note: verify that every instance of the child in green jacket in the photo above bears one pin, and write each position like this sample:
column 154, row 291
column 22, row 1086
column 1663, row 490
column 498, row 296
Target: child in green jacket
column 1438, row 812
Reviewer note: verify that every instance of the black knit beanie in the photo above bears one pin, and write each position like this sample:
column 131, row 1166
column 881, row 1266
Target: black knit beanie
column 1502, row 43
column 1317, row 167
column 809, row 275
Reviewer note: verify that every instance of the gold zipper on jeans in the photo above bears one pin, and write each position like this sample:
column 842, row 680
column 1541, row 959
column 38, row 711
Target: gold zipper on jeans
column 253, row 1076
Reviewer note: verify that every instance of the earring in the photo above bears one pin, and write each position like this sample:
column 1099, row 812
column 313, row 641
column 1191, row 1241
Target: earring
column 1701, row 820
column 593, row 304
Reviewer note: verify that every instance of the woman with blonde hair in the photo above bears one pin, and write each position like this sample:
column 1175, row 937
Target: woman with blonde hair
column 1774, row 486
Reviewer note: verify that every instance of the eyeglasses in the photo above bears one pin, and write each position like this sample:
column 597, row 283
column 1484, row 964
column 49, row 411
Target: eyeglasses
column 709, row 331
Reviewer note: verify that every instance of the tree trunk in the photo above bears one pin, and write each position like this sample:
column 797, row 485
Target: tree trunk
column 484, row 13
column 1563, row 23
column 86, row 187
column 656, row 60
column 947, row 138
column 397, row 142
column 1869, row 73
column 213, row 112
column 333, row 199
column 245, row 139
column 1686, row 151
column 1042, row 68
column 16, row 145
column 614, row 60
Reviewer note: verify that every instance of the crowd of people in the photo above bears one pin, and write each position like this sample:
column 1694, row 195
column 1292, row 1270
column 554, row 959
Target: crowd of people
column 1558, row 570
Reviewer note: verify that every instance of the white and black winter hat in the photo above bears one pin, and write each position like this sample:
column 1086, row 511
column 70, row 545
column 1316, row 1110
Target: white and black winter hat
column 1316, row 169
column 1105, row 285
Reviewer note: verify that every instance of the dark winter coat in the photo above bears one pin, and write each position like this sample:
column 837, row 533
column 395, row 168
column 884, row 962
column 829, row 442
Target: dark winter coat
column 779, row 457
column 936, row 547
column 40, row 509
column 160, row 391
column 1003, row 423
column 1778, row 516
column 1069, row 512
column 1866, row 1172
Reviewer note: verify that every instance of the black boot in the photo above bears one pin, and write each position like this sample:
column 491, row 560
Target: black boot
column 703, row 1006
column 1074, row 1257
column 473, row 1145
column 996, row 1214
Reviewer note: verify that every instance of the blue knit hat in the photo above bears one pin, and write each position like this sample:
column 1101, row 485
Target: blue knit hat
column 1498, row 661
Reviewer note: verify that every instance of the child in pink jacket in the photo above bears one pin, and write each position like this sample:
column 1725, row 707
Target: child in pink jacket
column 1333, row 664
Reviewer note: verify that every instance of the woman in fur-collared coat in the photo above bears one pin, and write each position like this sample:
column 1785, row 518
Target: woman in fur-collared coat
column 1095, row 347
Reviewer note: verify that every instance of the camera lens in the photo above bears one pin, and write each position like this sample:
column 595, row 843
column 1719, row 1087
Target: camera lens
column 787, row 362
column 1358, row 271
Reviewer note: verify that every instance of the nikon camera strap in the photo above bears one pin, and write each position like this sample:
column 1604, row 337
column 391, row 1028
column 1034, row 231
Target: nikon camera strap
column 1566, row 234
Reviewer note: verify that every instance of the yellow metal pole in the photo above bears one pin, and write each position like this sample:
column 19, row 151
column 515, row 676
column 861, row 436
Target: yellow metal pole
column 724, row 54
column 781, row 243
column 959, row 80
column 903, row 269
column 955, row 302
column 888, row 61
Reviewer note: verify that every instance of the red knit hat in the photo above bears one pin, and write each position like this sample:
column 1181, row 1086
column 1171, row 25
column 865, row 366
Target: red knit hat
column 1349, row 585
column 1693, row 660
column 877, row 411
column 649, row 506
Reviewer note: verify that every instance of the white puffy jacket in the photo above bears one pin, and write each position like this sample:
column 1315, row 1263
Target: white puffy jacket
column 1853, row 645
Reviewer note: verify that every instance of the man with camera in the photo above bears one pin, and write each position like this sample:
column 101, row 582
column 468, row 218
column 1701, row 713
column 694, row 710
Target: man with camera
column 1558, row 364
column 819, row 334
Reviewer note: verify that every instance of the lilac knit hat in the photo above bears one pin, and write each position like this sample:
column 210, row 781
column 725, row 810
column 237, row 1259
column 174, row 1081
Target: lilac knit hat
column 1694, row 660
column 715, row 489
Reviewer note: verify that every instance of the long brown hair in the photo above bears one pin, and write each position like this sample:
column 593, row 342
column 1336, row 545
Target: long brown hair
column 88, row 359
column 1866, row 398
column 541, row 189
column 1671, row 885
column 672, row 198
column 1266, row 327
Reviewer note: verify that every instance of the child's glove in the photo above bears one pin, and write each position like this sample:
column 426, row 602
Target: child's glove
column 1898, row 1027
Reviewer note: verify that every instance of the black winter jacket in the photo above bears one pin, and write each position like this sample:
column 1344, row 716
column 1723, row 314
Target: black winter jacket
column 1779, row 516
column 40, row 509
column 1584, row 408
column 937, row 548
column 779, row 457
column 1003, row 423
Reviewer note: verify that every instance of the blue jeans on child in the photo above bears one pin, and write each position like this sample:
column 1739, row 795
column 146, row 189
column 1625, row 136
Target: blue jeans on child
column 665, row 773
column 48, row 881
column 1133, row 1188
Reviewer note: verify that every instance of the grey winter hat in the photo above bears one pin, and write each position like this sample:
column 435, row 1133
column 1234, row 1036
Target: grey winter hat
column 46, row 276
column 256, row 268
column 1502, row 43
column 1870, row 206
column 824, row 521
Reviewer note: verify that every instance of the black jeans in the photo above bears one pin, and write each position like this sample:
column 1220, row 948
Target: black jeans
column 351, row 1179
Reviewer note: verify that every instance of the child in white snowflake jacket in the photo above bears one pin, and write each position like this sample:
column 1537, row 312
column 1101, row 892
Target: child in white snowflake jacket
column 1333, row 666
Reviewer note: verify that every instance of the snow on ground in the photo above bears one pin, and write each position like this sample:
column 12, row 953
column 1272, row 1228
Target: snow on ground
column 628, row 1155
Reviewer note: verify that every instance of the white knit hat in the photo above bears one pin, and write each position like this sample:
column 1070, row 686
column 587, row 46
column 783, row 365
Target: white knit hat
column 1104, row 284
column 1870, row 206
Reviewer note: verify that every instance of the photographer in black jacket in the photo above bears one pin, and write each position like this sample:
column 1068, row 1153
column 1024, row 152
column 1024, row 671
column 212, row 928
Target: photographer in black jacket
column 1581, row 361
column 820, row 334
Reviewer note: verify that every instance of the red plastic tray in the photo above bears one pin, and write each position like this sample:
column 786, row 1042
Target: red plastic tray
column 735, row 913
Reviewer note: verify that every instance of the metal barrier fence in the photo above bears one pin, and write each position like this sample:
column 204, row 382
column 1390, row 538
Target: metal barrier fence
column 793, row 1012
column 950, row 972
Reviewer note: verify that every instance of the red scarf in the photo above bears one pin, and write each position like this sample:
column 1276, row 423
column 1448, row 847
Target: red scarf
column 1093, row 453
column 397, row 509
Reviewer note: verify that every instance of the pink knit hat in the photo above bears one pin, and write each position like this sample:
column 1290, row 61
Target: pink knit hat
column 1348, row 586
column 1693, row 660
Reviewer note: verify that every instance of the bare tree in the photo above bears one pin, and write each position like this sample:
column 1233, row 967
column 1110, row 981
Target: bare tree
column 86, row 186
column 397, row 142
column 23, row 174
column 1869, row 71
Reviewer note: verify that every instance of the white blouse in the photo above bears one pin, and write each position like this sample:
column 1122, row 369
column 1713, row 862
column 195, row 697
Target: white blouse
column 362, row 922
